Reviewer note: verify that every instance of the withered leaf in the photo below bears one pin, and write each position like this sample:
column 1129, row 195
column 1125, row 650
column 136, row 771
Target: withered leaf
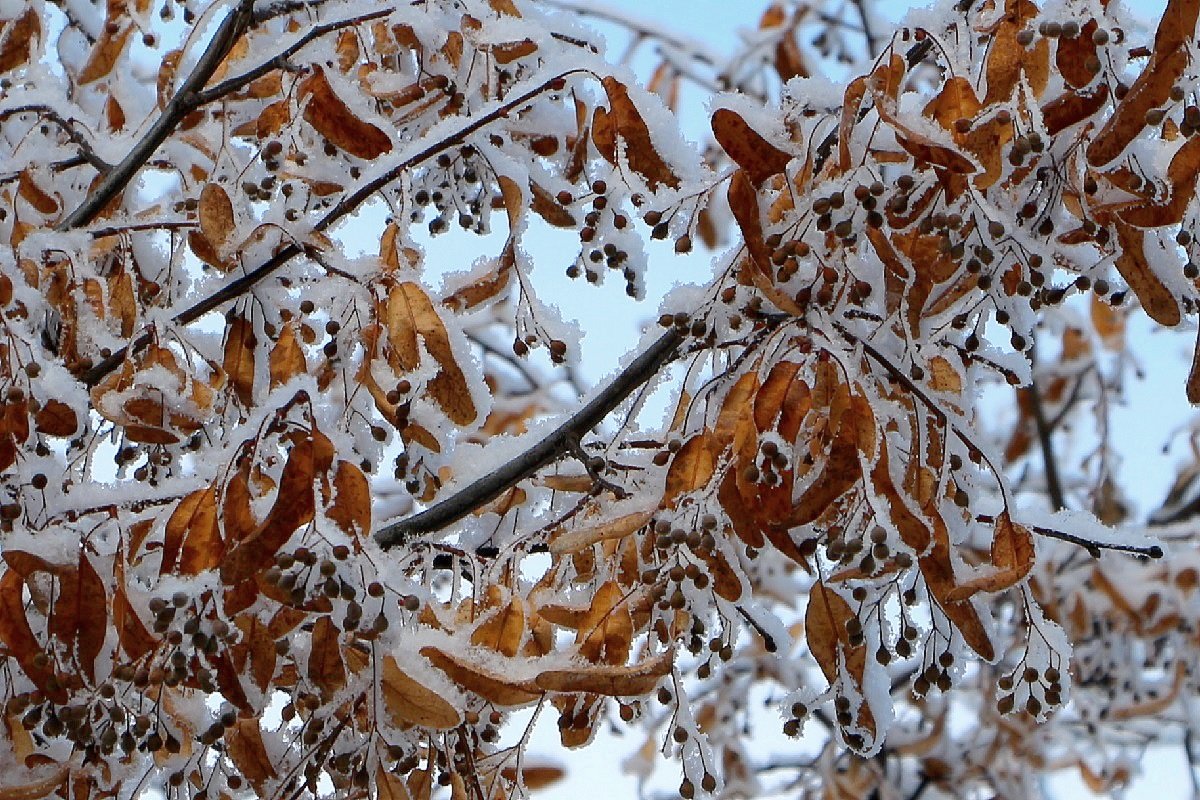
column 334, row 120
column 474, row 677
column 238, row 361
column 1131, row 262
column 410, row 313
column 326, row 668
column 504, row 630
column 1012, row 559
column 16, row 47
column 216, row 215
column 691, row 468
column 610, row 681
column 825, row 628
column 628, row 124
column 287, row 357
column 244, row 744
column 749, row 150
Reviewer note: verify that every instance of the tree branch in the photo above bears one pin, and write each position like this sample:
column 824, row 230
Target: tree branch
column 543, row 452
column 348, row 204
column 179, row 106
column 1049, row 461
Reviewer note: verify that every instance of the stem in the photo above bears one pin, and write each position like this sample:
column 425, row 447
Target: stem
column 543, row 452
column 1049, row 461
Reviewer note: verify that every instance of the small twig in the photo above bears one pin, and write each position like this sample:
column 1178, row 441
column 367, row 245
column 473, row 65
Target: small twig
column 179, row 106
column 1094, row 548
column 280, row 60
column 1045, row 434
column 543, row 452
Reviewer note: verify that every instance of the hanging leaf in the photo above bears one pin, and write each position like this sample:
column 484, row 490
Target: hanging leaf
column 691, row 468
column 473, row 677
column 759, row 158
column 610, row 681
column 628, row 124
column 326, row 669
column 287, row 357
column 334, row 120
column 411, row 703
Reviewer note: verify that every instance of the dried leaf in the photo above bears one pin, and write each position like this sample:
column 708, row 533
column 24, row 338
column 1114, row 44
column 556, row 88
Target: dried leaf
column 639, row 148
column 1155, row 297
column 238, row 361
column 287, row 357
column 326, row 669
column 410, row 314
column 825, row 628
column 755, row 155
column 473, row 677
column 334, row 120
column 610, row 681
column 691, row 468
column 16, row 48
column 216, row 216
column 574, row 540
column 504, row 630
column 244, row 744
column 56, row 418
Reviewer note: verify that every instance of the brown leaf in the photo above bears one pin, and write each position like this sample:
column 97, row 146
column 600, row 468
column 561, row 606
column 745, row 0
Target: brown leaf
column 56, row 418
column 351, row 507
column 410, row 313
column 294, row 506
column 841, row 472
column 107, row 49
column 1155, row 297
column 825, row 627
column 610, row 681
column 938, row 571
column 504, row 630
column 35, row 790
column 18, row 636
column 388, row 785
column 43, row 202
column 412, row 703
column 535, row 776
column 1168, row 60
column 496, row 688
column 92, row 615
column 334, row 120
column 1012, row 559
column 238, row 361
column 216, row 216
column 16, row 48
column 639, row 148
column 755, row 155
column 325, row 666
column 203, row 548
column 195, row 512
column 287, row 357
column 691, row 468
column 244, row 745
column 575, row 539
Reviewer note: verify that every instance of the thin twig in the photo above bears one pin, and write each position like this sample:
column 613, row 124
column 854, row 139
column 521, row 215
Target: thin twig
column 179, row 106
column 280, row 60
column 543, row 452
column 1093, row 547
column 1045, row 439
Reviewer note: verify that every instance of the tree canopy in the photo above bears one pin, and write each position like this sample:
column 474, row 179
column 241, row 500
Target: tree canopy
column 299, row 500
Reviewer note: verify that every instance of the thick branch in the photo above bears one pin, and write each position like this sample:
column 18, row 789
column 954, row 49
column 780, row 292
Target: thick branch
column 346, row 206
column 544, row 452
column 183, row 103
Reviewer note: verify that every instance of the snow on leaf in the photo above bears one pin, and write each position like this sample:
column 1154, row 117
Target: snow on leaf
column 334, row 120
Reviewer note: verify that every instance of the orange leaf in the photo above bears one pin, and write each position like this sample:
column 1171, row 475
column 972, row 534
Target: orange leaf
column 639, row 148
column 825, row 627
column 691, row 468
column 216, row 216
column 334, row 120
column 325, row 666
column 238, row 361
column 412, row 703
column 1155, row 297
column 17, row 46
column 473, row 677
column 611, row 681
column 287, row 358
column 351, row 508
column 244, row 744
column 759, row 158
